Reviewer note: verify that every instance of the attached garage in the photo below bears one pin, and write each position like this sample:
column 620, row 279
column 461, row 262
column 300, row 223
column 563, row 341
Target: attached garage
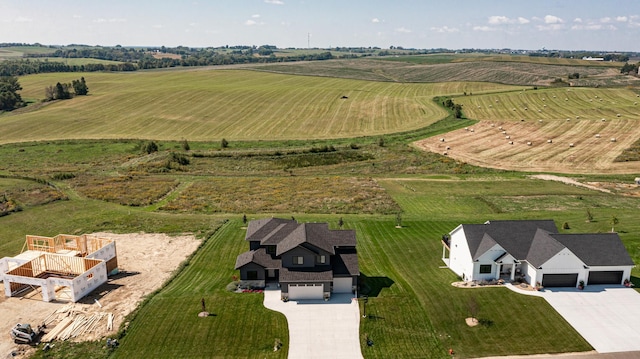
column 560, row 280
column 305, row 291
column 605, row 277
column 342, row 285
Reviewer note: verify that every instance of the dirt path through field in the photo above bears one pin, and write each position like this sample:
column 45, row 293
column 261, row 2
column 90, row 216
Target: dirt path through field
column 146, row 260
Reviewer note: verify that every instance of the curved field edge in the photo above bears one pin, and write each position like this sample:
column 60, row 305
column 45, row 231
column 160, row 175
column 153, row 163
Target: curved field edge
column 231, row 104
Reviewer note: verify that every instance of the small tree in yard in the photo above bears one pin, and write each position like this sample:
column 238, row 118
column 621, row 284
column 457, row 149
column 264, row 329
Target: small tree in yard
column 613, row 221
column 340, row 223
column 589, row 215
column 224, row 143
column 150, row 147
column 185, row 145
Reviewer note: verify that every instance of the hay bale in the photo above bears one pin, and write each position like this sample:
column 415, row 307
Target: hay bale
column 442, row 139
column 466, row 128
column 613, row 139
column 507, row 137
column 529, row 143
column 618, row 115
column 445, row 153
column 471, row 130
column 540, row 121
column 577, row 117
column 571, row 145
column 448, row 148
column 500, row 128
column 493, row 125
column 549, row 141
column 568, row 119
column 511, row 142
column 597, row 135
column 603, row 120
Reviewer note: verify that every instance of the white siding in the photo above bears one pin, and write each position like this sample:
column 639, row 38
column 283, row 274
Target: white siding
column 487, row 258
column 563, row 262
column 459, row 257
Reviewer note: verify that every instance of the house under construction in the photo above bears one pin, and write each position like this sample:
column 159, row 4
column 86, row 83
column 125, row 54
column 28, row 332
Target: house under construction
column 65, row 267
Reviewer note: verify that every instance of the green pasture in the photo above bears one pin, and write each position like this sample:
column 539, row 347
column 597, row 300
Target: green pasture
column 208, row 105
column 20, row 51
column 553, row 104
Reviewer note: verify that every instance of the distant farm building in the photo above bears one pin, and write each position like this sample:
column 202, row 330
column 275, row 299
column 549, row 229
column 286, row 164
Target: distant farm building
column 65, row 267
column 589, row 58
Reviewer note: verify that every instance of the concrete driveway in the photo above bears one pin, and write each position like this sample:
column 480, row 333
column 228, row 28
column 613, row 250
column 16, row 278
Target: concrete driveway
column 608, row 317
column 319, row 329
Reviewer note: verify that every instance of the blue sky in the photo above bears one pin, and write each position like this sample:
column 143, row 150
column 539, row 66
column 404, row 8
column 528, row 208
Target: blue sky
column 612, row 25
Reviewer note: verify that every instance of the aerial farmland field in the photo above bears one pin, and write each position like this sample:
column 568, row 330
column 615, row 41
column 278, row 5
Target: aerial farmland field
column 298, row 148
column 205, row 105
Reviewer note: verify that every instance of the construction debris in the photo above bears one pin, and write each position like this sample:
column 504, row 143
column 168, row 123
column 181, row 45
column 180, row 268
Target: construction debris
column 73, row 323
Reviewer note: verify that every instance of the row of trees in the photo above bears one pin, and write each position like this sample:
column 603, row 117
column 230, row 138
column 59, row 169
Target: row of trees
column 455, row 107
column 10, row 99
column 628, row 68
column 63, row 91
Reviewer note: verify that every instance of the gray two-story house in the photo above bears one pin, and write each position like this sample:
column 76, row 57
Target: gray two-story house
column 307, row 260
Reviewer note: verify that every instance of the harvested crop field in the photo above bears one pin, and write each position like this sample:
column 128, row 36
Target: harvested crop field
column 584, row 146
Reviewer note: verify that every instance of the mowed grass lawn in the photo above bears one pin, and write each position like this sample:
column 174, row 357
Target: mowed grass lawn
column 240, row 326
column 232, row 104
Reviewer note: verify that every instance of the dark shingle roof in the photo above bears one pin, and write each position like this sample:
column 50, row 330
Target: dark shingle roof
column 598, row 249
column 543, row 248
column 514, row 236
column 270, row 231
column 259, row 257
column 312, row 274
column 538, row 241
column 316, row 234
column 346, row 262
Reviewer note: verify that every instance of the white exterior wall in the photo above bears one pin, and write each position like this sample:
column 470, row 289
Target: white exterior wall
column 563, row 262
column 105, row 253
column 89, row 280
column 530, row 274
column 487, row 258
column 8, row 263
column 459, row 257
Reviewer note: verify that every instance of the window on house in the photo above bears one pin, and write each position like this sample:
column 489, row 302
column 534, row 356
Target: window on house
column 271, row 249
column 298, row 260
column 252, row 275
column 485, row 268
column 321, row 259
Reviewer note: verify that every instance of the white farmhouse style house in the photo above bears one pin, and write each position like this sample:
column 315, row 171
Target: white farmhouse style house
column 536, row 252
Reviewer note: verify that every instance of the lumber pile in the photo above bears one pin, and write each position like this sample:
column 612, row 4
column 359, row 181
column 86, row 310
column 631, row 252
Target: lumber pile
column 76, row 323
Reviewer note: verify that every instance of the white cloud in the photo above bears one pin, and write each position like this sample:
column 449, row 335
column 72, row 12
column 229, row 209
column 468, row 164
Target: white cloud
column 23, row 19
column 523, row 20
column 112, row 20
column 605, row 20
column 550, row 27
column 375, row 20
column 550, row 19
column 622, row 19
column 157, row 26
column 403, row 30
column 444, row 29
column 250, row 22
column 274, row 2
column 255, row 16
column 496, row 20
column 483, row 28
column 578, row 20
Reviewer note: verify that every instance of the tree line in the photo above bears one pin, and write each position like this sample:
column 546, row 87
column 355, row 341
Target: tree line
column 62, row 91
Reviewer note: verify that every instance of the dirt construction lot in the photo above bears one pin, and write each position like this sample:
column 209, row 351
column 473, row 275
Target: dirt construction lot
column 562, row 146
column 145, row 262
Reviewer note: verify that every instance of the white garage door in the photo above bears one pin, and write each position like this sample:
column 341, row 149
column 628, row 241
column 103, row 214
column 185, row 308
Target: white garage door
column 342, row 285
column 301, row 291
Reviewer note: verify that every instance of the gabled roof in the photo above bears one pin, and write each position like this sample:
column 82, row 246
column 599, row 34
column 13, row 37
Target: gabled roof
column 543, row 247
column 598, row 249
column 258, row 256
column 346, row 262
column 316, row 234
column 538, row 241
column 514, row 236
column 270, row 231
